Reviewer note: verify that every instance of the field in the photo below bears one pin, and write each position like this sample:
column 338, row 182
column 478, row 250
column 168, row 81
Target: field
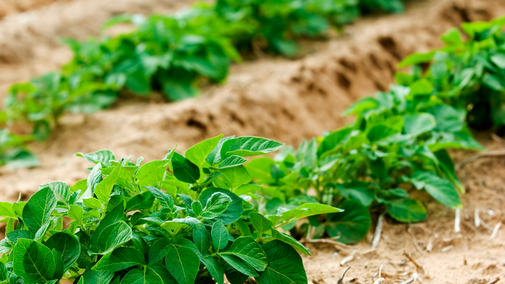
column 283, row 99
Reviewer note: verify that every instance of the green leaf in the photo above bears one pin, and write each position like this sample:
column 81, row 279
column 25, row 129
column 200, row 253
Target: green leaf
column 239, row 265
column 231, row 161
column 159, row 250
column 99, row 277
column 39, row 208
column 285, row 265
column 406, row 210
column 499, row 60
column 303, row 211
column 247, row 249
column 155, row 274
column 6, row 210
column 199, row 152
column 285, row 238
column 33, row 261
column 184, row 169
column 232, row 178
column 232, row 212
column 60, row 189
column 104, row 188
column 416, row 58
column 215, row 269
column 440, row 189
column 111, row 237
column 165, row 199
column 152, row 173
column 220, row 235
column 120, row 259
column 357, row 190
column 249, row 146
column 183, row 263
column 202, row 239
column 416, row 124
column 260, row 169
column 144, row 200
column 67, row 246
column 215, row 205
column 102, row 156
column 260, row 223
column 350, row 226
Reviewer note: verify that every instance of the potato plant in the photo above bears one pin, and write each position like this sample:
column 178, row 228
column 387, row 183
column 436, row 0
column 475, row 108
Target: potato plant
column 182, row 219
column 397, row 143
column 468, row 74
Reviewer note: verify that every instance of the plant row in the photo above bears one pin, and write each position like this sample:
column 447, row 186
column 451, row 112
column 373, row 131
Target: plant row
column 171, row 54
column 398, row 143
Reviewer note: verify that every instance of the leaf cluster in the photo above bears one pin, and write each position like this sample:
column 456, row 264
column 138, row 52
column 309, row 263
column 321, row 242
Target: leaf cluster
column 180, row 220
column 467, row 74
column 397, row 144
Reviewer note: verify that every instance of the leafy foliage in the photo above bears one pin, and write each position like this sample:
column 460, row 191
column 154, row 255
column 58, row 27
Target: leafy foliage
column 174, row 220
column 397, row 143
column 170, row 54
column 468, row 74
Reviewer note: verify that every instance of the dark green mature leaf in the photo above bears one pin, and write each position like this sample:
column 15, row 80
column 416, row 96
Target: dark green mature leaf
column 202, row 239
column 260, row 223
column 249, row 146
column 183, row 263
column 440, row 189
column 357, row 190
column 350, row 226
column 165, row 199
column 285, row 238
column 96, row 277
column 111, row 237
column 34, row 262
column 184, row 169
column 406, row 210
column 220, row 235
column 39, row 208
column 215, row 269
column 216, row 205
column 144, row 200
column 119, row 259
column 239, row 265
column 232, row 212
column 247, row 249
column 159, row 250
column 67, row 246
column 155, row 274
column 285, row 266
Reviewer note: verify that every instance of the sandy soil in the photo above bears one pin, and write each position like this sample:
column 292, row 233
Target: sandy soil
column 287, row 100
column 471, row 256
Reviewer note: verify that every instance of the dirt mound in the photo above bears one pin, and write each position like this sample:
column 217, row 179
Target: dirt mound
column 29, row 42
column 9, row 7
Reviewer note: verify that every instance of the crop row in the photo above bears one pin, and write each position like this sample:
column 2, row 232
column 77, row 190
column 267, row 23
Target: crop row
column 172, row 54
column 197, row 217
